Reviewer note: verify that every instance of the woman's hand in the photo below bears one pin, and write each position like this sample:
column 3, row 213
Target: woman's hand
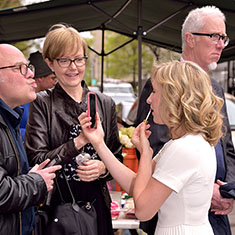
column 91, row 170
column 80, row 141
column 140, row 137
column 95, row 136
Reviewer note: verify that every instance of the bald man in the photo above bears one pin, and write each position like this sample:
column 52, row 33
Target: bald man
column 21, row 189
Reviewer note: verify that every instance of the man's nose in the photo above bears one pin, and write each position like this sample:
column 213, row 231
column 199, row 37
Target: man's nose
column 220, row 44
column 30, row 74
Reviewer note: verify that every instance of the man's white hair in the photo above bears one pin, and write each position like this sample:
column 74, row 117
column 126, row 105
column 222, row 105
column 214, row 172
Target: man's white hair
column 194, row 21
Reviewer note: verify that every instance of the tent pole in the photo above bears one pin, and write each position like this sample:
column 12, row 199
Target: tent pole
column 102, row 61
column 139, row 37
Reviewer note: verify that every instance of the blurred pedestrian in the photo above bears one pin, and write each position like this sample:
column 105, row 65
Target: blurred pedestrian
column 44, row 76
column 45, row 79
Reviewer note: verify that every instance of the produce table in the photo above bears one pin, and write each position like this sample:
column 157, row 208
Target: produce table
column 131, row 224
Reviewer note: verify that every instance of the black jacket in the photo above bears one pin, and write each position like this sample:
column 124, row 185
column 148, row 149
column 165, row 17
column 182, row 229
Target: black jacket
column 226, row 140
column 50, row 118
column 17, row 192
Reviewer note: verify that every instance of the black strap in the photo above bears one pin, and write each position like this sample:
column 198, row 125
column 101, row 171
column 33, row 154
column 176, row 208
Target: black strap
column 75, row 206
column 68, row 186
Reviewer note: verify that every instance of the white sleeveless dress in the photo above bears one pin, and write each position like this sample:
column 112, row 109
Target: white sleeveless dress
column 188, row 166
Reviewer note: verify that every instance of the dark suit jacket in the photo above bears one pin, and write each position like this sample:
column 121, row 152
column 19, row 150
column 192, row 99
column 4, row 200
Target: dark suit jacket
column 226, row 140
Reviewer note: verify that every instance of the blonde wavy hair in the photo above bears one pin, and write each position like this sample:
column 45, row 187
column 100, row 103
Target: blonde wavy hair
column 188, row 101
column 60, row 38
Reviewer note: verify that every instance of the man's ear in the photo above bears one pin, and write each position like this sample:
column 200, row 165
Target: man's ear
column 39, row 79
column 50, row 64
column 189, row 39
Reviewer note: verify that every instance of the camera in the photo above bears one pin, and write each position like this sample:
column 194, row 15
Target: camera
column 55, row 161
column 83, row 157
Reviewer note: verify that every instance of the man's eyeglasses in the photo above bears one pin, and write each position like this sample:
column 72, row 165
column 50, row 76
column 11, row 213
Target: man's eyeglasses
column 215, row 37
column 22, row 67
column 65, row 62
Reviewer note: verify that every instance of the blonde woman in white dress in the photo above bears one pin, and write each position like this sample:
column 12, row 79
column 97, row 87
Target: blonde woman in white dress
column 178, row 182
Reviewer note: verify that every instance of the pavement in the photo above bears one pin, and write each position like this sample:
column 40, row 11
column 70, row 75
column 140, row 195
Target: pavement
column 232, row 220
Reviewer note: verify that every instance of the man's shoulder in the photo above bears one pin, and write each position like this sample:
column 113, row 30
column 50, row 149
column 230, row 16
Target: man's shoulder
column 217, row 88
column 215, row 83
column 146, row 91
column 148, row 85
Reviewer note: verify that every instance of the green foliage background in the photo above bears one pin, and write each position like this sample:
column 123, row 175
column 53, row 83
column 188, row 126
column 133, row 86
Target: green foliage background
column 123, row 63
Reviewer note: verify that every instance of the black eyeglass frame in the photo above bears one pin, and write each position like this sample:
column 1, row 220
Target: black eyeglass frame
column 72, row 61
column 19, row 66
column 225, row 38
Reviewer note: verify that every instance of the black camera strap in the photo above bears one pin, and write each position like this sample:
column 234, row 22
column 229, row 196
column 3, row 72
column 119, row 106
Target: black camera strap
column 68, row 186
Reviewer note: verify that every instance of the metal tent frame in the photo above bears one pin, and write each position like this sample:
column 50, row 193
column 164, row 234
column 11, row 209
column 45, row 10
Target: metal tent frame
column 156, row 22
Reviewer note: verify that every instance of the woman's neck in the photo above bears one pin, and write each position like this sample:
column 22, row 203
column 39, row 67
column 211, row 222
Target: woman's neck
column 178, row 133
column 74, row 92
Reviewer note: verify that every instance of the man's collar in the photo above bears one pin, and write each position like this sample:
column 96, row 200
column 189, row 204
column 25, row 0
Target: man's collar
column 12, row 115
